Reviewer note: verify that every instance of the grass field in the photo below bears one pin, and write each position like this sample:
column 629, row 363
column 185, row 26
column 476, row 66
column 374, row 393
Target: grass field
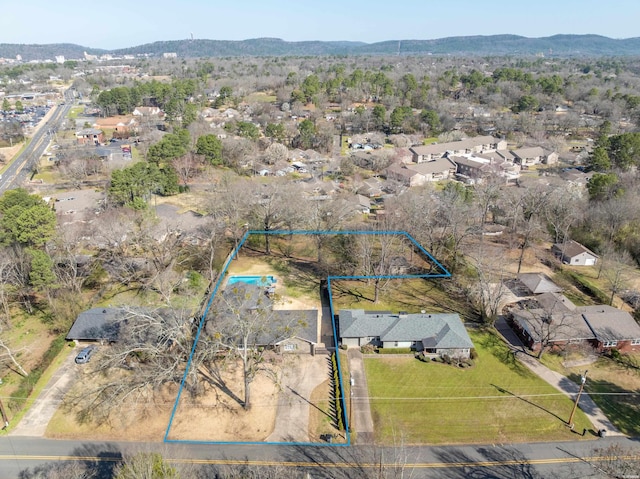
column 496, row 401
column 260, row 97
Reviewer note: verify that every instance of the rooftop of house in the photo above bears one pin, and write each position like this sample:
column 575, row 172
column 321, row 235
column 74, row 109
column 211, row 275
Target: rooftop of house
column 567, row 321
column 538, row 283
column 467, row 143
column 573, row 248
column 610, row 324
column 97, row 324
column 429, row 167
column 532, row 152
column 441, row 330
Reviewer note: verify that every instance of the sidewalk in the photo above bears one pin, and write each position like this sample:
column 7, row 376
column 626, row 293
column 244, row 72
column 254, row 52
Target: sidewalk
column 557, row 380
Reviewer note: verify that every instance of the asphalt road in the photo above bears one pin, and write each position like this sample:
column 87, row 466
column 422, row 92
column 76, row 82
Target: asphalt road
column 20, row 457
column 21, row 168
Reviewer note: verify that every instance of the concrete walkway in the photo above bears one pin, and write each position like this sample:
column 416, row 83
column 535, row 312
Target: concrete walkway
column 557, row 380
column 361, row 409
column 36, row 419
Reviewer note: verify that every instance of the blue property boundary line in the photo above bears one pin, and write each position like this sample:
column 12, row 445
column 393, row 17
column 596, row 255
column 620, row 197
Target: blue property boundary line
column 444, row 273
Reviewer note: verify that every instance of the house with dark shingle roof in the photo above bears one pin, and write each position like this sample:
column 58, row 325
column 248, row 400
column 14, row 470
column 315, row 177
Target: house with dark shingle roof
column 97, row 324
column 552, row 318
column 574, row 254
column 435, row 333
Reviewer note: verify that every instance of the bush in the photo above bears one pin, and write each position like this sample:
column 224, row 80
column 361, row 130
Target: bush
column 473, row 354
column 422, row 357
column 437, row 359
column 367, row 349
column 337, row 393
column 395, row 351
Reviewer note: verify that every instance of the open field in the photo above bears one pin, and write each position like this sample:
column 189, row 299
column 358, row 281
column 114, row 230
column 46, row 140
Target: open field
column 497, row 400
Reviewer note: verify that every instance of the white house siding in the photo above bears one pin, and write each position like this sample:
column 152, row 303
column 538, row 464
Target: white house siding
column 295, row 346
column 583, row 259
column 397, row 344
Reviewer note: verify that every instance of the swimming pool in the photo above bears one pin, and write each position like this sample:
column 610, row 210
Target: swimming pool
column 258, row 280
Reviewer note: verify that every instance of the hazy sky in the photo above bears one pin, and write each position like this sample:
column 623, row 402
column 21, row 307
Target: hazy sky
column 121, row 24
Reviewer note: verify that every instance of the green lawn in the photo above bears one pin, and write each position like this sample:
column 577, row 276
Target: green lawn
column 75, row 111
column 496, row 401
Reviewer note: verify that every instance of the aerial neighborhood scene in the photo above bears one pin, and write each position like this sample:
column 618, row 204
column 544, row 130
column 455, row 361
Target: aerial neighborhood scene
column 332, row 255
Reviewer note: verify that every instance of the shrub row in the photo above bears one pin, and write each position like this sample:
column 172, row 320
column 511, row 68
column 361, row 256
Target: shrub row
column 588, row 287
column 395, row 351
column 337, row 393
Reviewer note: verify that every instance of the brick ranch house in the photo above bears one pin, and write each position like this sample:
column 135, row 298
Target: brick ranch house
column 553, row 320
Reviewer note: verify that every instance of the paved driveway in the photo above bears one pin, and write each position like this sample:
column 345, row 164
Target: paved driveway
column 362, row 422
column 292, row 418
column 35, row 421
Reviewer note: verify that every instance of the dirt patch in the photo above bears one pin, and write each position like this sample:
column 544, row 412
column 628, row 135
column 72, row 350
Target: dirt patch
column 8, row 152
column 219, row 416
column 216, row 416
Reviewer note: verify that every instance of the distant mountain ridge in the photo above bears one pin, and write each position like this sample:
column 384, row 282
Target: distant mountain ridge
column 556, row 45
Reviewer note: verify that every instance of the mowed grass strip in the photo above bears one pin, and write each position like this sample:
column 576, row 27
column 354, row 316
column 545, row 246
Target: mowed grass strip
column 496, row 401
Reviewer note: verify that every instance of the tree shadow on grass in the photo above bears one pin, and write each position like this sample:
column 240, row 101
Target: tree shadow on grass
column 531, row 403
column 621, row 406
column 496, row 346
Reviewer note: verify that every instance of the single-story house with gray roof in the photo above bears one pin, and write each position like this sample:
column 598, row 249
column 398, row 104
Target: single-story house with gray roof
column 552, row 318
column 435, row 333
column 538, row 283
column 97, row 324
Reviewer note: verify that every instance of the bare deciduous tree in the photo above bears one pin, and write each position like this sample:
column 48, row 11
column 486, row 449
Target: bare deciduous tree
column 244, row 327
column 151, row 351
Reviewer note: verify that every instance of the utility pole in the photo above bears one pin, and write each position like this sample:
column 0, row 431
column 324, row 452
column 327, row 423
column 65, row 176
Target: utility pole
column 583, row 380
column 352, row 383
column 5, row 419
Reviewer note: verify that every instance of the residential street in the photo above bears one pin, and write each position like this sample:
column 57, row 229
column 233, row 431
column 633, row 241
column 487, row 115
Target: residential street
column 534, row 461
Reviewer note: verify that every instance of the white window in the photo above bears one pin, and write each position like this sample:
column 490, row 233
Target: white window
column 610, row 344
column 635, row 342
column 290, row 347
